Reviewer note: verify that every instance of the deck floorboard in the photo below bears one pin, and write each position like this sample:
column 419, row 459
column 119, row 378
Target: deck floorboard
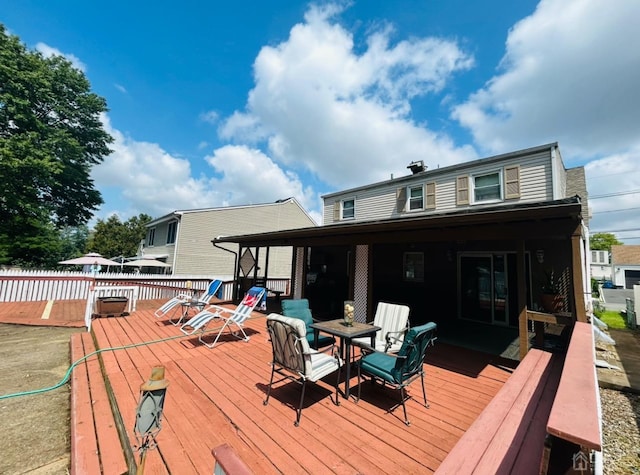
column 216, row 396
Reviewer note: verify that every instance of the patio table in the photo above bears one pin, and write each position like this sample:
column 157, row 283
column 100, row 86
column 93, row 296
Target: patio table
column 346, row 334
column 187, row 305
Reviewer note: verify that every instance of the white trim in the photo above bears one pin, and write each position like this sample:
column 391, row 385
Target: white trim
column 472, row 187
column 342, row 217
column 423, row 197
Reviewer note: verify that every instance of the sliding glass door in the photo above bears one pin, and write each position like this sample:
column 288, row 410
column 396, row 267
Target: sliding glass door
column 482, row 288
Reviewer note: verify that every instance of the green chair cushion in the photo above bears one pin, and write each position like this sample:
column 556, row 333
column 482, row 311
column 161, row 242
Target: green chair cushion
column 299, row 308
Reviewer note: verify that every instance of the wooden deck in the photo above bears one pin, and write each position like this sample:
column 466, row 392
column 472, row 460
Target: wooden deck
column 216, row 396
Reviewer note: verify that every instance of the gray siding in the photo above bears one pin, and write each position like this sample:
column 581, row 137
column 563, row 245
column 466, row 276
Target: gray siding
column 577, row 185
column 379, row 201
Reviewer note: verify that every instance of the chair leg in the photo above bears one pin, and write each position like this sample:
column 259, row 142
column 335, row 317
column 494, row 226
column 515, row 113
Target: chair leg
column 403, row 395
column 337, row 383
column 273, row 370
column 299, row 411
column 359, row 383
column 424, row 391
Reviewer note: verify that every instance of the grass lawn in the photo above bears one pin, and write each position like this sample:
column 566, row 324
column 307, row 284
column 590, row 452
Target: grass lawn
column 613, row 319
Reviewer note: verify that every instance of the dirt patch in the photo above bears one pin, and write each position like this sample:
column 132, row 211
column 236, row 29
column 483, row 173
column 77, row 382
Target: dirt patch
column 34, row 429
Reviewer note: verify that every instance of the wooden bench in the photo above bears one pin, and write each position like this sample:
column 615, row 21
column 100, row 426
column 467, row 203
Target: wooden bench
column 227, row 462
column 508, row 436
column 575, row 415
column 546, row 415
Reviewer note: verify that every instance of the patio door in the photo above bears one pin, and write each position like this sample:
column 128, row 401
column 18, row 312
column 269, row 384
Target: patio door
column 482, row 288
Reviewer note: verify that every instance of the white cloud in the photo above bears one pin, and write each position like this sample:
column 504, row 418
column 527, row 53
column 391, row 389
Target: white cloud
column 210, row 117
column 246, row 175
column 619, row 210
column 322, row 107
column 120, row 88
column 155, row 182
column 570, row 73
column 48, row 51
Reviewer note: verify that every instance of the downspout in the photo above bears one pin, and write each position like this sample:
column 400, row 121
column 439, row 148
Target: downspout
column 554, row 174
column 175, row 245
column 235, row 264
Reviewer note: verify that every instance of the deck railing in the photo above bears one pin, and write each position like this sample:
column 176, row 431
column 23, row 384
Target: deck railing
column 31, row 286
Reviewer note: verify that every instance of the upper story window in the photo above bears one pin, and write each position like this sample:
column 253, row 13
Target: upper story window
column 348, row 209
column 415, row 198
column 487, row 188
column 171, row 232
column 600, row 257
column 151, row 236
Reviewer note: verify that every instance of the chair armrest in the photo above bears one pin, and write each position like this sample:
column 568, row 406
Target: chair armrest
column 370, row 349
column 391, row 339
column 218, row 310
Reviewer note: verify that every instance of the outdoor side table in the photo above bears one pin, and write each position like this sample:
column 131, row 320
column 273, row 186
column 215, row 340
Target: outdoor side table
column 346, row 334
column 187, row 306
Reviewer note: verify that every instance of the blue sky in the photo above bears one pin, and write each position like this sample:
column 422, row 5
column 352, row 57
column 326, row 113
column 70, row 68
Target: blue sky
column 225, row 103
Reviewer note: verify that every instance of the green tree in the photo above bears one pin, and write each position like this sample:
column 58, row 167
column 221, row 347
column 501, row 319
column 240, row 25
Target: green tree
column 113, row 238
column 50, row 137
column 603, row 241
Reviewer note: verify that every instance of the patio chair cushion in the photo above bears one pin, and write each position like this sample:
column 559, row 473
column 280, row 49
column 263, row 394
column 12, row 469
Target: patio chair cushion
column 299, row 308
column 316, row 364
column 392, row 320
column 395, row 370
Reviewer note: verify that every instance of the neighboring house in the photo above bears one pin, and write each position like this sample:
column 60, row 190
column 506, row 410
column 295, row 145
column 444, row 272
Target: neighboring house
column 183, row 238
column 625, row 262
column 471, row 243
column 601, row 265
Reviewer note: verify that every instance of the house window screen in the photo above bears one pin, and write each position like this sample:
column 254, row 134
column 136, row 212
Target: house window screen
column 416, row 198
column 171, row 232
column 487, row 187
column 151, row 237
column 348, row 209
column 413, row 266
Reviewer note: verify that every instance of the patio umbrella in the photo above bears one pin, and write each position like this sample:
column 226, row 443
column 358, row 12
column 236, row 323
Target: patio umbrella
column 89, row 260
column 146, row 263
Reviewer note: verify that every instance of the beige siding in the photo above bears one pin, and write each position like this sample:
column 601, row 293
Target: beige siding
column 195, row 254
column 380, row 202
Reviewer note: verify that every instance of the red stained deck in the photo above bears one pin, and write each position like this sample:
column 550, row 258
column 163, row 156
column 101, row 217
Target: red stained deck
column 216, row 396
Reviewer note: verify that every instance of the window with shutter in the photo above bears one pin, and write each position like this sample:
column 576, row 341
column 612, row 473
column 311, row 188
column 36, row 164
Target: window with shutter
column 416, row 198
column 487, row 188
column 431, row 195
column 462, row 190
column 401, row 199
column 348, row 209
column 512, row 182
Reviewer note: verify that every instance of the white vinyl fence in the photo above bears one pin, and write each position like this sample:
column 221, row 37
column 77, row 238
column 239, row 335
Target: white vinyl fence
column 31, row 286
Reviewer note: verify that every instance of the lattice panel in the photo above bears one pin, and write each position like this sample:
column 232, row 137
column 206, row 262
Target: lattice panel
column 299, row 273
column 247, row 262
column 361, row 282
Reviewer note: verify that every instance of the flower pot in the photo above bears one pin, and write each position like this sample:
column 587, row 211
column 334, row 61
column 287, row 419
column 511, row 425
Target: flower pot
column 552, row 303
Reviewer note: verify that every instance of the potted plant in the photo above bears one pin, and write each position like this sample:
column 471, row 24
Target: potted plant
column 551, row 298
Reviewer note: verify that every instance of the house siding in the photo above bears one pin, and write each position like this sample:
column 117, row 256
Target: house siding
column 195, row 254
column 379, row 201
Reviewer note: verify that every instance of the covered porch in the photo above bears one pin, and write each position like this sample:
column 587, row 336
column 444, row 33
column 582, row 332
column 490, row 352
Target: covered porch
column 484, row 271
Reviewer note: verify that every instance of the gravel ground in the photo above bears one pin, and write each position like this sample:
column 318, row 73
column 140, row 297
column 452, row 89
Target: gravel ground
column 621, row 436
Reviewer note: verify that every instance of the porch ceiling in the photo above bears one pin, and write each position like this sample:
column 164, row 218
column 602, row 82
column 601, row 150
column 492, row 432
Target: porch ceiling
column 550, row 220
